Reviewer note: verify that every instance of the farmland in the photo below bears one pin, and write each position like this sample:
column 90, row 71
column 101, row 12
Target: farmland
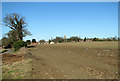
column 81, row 60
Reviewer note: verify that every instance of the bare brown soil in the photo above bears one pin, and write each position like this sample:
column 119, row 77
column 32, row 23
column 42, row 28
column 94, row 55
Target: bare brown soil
column 0, row 49
column 9, row 58
column 90, row 60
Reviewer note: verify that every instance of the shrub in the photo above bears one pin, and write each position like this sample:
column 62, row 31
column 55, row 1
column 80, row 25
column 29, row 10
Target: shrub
column 85, row 39
column 33, row 40
column 69, row 40
column 6, row 42
column 28, row 42
column 17, row 45
column 42, row 41
column 96, row 39
column 49, row 41
column 74, row 38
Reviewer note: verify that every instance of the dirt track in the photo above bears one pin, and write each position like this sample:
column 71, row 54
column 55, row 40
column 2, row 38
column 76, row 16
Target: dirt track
column 72, row 61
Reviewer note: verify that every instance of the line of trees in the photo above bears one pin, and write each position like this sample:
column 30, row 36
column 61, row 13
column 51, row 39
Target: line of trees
column 61, row 39
column 72, row 39
column 77, row 39
column 105, row 39
column 34, row 41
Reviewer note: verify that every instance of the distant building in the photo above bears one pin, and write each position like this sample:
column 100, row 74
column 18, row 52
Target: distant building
column 38, row 42
column 46, row 42
column 34, row 43
column 88, row 40
column 65, row 38
column 52, row 43
column 81, row 40
column 72, row 41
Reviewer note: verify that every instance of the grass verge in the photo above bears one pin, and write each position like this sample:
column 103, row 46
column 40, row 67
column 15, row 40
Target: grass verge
column 4, row 50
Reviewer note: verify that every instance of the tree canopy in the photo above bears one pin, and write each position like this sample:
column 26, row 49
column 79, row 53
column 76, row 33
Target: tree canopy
column 18, row 25
column 33, row 40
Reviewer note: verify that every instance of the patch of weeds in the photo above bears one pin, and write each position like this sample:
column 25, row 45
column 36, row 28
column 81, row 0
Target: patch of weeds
column 4, row 50
column 3, row 77
column 30, row 60
column 19, row 71
column 18, row 77
column 10, row 72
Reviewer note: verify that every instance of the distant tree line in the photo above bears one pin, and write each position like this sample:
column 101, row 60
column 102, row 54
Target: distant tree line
column 34, row 41
column 10, row 39
column 78, row 39
column 105, row 39
column 72, row 39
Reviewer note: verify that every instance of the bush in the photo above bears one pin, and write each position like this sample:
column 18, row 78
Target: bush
column 74, row 38
column 6, row 42
column 17, row 45
column 96, row 39
column 85, row 39
column 33, row 40
column 49, row 41
column 42, row 41
column 28, row 42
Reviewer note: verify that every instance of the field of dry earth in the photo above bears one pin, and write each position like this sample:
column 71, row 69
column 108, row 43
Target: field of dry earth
column 86, row 60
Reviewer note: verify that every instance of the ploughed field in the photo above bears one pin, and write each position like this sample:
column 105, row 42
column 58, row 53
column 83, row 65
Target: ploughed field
column 85, row 60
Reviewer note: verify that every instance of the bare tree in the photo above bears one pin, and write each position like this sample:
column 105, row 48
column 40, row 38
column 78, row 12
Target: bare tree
column 17, row 24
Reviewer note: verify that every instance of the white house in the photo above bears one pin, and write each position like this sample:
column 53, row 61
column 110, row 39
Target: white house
column 52, row 43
